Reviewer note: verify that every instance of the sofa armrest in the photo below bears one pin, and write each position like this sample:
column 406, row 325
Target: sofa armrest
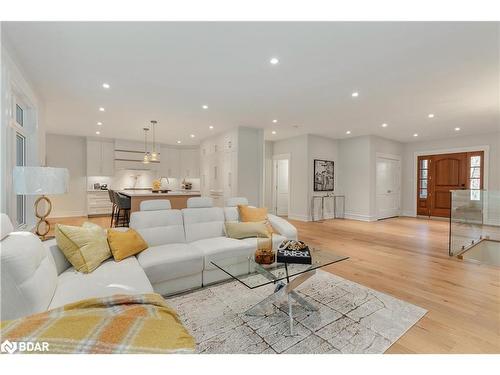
column 283, row 227
column 60, row 260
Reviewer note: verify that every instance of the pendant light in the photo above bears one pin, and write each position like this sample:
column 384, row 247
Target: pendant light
column 145, row 160
column 154, row 154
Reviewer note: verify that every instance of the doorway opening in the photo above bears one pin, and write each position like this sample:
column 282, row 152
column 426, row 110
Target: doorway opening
column 388, row 186
column 438, row 175
column 281, row 184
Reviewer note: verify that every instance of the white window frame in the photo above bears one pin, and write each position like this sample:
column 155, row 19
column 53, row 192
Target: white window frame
column 23, row 131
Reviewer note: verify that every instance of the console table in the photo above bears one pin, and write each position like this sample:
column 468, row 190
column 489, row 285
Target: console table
column 338, row 206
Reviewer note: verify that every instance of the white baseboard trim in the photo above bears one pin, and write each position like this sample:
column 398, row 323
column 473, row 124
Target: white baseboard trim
column 353, row 216
column 57, row 214
column 297, row 217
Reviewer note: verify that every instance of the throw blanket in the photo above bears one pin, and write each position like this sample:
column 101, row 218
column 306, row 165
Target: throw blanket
column 117, row 324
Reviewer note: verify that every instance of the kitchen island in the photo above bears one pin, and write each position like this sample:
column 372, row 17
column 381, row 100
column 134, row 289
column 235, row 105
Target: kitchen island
column 178, row 199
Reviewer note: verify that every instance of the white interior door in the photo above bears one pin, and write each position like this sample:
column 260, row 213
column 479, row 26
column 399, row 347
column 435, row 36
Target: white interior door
column 281, row 187
column 388, row 187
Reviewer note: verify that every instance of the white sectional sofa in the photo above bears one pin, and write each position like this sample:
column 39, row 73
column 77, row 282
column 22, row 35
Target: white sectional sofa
column 36, row 276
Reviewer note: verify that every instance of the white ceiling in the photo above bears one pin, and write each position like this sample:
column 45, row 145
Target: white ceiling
column 167, row 71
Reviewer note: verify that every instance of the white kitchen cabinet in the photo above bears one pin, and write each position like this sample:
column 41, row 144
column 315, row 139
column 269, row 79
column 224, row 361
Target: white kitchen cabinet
column 100, row 158
column 98, row 203
column 189, row 163
column 170, row 159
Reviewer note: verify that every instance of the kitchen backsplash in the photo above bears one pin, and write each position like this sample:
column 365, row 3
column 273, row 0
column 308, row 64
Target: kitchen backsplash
column 138, row 179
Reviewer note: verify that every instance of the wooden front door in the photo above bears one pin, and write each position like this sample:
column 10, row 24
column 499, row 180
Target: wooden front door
column 438, row 174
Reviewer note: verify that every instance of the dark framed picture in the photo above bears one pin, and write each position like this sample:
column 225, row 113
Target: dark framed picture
column 323, row 175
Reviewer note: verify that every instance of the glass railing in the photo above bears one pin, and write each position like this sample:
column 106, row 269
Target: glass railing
column 475, row 216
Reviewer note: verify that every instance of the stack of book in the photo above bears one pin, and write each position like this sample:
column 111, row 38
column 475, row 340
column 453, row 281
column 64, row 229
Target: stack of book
column 293, row 252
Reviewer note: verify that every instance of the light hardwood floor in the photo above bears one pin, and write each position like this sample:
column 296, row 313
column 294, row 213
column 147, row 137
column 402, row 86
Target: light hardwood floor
column 408, row 259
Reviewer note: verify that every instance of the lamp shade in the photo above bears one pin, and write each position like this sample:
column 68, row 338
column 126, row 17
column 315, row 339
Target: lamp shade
column 40, row 180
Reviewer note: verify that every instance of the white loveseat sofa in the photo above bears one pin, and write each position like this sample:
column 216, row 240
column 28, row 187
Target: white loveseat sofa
column 36, row 276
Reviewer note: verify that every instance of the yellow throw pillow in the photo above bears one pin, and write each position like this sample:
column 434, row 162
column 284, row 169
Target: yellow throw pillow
column 125, row 244
column 85, row 247
column 254, row 214
column 246, row 230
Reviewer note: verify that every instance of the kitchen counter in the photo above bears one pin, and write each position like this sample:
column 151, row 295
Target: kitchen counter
column 178, row 199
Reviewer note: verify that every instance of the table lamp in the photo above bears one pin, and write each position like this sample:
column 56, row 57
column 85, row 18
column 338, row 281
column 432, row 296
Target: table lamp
column 41, row 181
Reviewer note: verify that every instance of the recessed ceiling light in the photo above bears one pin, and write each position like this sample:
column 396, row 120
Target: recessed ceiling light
column 275, row 121
column 101, row 109
column 204, row 106
column 384, row 125
column 178, row 141
column 192, row 135
column 457, row 129
column 99, row 123
column 415, row 134
column 430, row 115
column 273, row 132
column 210, row 127
column 98, row 132
column 274, row 61
column 348, row 132
column 106, row 86
column 355, row 94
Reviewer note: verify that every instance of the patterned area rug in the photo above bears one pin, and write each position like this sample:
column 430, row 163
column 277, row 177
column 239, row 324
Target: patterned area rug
column 351, row 318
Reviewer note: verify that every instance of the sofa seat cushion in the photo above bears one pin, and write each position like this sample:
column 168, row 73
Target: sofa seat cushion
column 111, row 277
column 171, row 261
column 218, row 248
column 277, row 239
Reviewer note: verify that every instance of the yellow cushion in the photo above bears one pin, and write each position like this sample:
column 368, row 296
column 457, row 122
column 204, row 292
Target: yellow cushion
column 85, row 247
column 254, row 214
column 246, row 230
column 125, row 244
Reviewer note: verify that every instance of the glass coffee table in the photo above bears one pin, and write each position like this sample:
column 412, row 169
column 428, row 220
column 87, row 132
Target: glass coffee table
column 285, row 276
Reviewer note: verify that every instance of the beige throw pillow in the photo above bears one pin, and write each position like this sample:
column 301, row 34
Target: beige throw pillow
column 246, row 230
column 85, row 247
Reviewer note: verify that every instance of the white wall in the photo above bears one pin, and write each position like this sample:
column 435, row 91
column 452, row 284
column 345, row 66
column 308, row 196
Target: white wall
column 65, row 151
column 268, row 175
column 297, row 147
column 355, row 177
column 250, row 164
column 14, row 82
column 324, row 149
column 490, row 142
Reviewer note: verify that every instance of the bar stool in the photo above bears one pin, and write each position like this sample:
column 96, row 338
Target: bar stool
column 112, row 199
column 122, row 204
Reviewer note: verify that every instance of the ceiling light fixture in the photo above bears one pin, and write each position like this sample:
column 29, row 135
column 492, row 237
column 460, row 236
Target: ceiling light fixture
column 384, row 125
column 98, row 132
column 275, row 121
column 415, row 134
column 204, row 106
column 192, row 135
column 101, row 109
column 273, row 132
column 355, row 94
column 210, row 127
column 145, row 159
column 430, row 115
column 106, row 86
column 457, row 129
column 99, row 123
column 154, row 154
column 274, row 61
column 348, row 132
column 178, row 142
